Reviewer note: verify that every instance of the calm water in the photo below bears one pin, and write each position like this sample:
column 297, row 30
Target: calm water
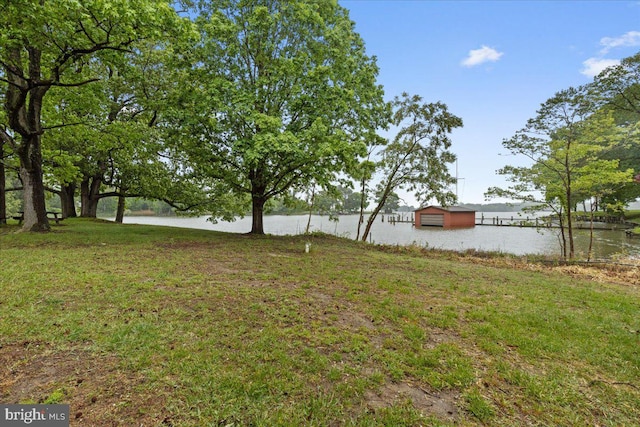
column 515, row 240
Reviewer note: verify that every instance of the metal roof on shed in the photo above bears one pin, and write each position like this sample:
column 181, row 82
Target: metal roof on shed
column 447, row 209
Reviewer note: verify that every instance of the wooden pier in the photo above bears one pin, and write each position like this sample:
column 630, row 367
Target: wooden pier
column 516, row 221
column 398, row 218
column 580, row 222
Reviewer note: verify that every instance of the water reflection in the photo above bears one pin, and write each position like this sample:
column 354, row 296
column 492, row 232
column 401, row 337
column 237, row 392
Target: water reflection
column 514, row 240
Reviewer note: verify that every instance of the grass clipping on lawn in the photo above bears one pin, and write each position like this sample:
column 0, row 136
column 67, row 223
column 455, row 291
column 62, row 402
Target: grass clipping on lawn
column 142, row 325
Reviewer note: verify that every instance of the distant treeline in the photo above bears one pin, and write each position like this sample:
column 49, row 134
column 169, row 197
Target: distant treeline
column 135, row 206
column 495, row 207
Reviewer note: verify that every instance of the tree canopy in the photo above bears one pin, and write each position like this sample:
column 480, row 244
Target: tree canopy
column 47, row 44
column 581, row 145
column 244, row 102
column 418, row 157
column 290, row 97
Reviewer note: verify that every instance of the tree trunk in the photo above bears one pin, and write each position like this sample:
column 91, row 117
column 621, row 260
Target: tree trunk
column 23, row 106
column 89, row 196
column 313, row 197
column 257, row 212
column 3, row 199
column 121, row 207
column 372, row 218
column 563, row 241
column 590, row 234
column 35, row 210
column 570, row 225
column 258, row 199
column 570, row 205
column 67, row 200
column 388, row 189
column 363, row 198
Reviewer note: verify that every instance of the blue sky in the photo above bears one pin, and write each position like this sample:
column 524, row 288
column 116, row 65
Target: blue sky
column 492, row 62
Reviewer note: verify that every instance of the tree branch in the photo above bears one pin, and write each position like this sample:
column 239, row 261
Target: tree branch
column 180, row 208
column 64, row 125
column 2, row 79
column 60, row 84
column 6, row 138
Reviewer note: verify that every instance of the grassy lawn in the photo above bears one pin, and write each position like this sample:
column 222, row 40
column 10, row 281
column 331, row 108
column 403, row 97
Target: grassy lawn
column 633, row 216
column 142, row 325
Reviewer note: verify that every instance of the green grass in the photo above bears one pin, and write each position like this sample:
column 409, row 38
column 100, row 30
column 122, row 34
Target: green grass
column 192, row 328
column 632, row 216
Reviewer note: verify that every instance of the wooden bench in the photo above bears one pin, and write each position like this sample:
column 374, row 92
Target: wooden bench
column 56, row 216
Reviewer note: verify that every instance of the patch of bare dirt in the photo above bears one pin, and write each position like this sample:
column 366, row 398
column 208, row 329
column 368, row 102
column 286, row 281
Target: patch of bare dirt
column 190, row 245
column 98, row 392
column 442, row 404
column 436, row 337
column 355, row 320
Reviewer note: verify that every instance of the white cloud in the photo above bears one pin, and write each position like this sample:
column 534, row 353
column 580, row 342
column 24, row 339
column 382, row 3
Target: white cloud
column 593, row 66
column 482, row 55
column 630, row 39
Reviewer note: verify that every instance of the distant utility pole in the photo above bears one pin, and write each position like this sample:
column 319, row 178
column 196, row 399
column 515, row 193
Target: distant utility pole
column 457, row 179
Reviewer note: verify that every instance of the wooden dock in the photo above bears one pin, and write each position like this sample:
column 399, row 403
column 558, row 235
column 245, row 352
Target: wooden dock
column 580, row 223
column 516, row 221
column 398, row 218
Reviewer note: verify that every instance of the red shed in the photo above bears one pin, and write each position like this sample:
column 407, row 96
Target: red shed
column 449, row 217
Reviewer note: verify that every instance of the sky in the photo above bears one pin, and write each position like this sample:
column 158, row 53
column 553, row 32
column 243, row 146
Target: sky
column 493, row 63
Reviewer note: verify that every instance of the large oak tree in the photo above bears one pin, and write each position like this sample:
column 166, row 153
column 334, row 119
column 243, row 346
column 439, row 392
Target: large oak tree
column 283, row 95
